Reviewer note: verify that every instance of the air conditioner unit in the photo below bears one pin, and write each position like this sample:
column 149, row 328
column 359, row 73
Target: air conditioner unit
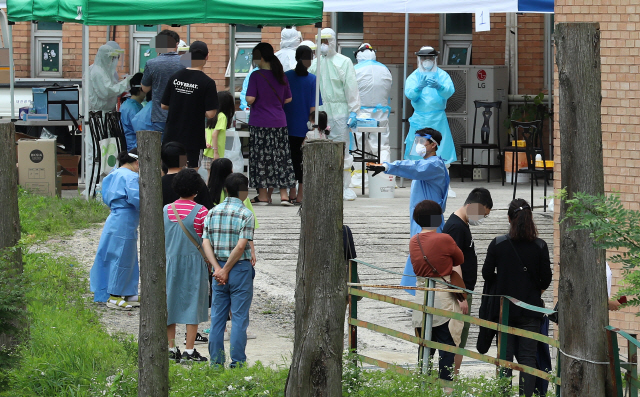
column 481, row 83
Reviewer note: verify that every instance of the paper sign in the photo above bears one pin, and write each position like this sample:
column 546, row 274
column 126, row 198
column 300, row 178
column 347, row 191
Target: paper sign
column 483, row 24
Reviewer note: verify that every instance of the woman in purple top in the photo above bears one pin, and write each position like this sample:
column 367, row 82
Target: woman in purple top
column 270, row 163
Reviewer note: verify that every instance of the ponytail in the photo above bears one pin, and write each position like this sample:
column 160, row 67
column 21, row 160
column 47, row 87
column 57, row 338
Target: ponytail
column 522, row 226
column 303, row 52
column 265, row 51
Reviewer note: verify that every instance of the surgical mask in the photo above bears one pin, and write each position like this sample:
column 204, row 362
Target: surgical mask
column 309, row 126
column 421, row 150
column 324, row 49
column 476, row 222
column 428, row 64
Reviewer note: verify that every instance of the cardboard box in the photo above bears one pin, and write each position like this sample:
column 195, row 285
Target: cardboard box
column 69, row 165
column 38, row 166
column 521, row 161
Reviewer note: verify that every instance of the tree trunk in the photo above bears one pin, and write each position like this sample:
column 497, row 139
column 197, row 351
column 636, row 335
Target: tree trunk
column 9, row 216
column 321, row 277
column 582, row 299
column 153, row 354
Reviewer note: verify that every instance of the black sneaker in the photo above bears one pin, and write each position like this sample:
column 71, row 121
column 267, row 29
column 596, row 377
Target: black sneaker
column 199, row 339
column 195, row 356
column 175, row 356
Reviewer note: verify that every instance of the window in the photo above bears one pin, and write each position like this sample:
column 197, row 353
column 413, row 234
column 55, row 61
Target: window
column 456, row 32
column 46, row 49
column 244, row 59
column 349, row 27
column 458, row 24
column 140, row 43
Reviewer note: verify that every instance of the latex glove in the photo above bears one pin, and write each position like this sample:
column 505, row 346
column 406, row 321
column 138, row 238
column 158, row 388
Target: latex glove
column 352, row 122
column 431, row 83
column 377, row 168
column 422, row 83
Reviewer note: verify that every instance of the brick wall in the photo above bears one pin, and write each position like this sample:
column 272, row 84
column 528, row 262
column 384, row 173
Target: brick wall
column 384, row 31
column 620, row 58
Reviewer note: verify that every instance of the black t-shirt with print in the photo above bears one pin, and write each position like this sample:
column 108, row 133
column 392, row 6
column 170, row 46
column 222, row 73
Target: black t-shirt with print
column 461, row 234
column 189, row 94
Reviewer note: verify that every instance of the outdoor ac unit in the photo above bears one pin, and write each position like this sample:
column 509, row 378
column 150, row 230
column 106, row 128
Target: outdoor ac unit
column 481, row 83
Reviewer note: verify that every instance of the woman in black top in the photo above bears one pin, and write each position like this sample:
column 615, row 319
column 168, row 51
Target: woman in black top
column 519, row 264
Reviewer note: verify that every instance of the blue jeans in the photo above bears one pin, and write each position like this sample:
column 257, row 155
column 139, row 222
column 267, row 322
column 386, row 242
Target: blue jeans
column 236, row 296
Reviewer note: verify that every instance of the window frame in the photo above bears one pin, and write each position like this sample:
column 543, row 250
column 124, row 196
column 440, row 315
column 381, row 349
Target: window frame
column 456, row 44
column 348, row 44
column 447, row 40
column 346, row 39
column 37, row 38
column 136, row 39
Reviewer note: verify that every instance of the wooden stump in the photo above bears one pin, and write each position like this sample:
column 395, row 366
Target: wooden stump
column 321, row 277
column 153, row 353
column 11, row 256
column 582, row 301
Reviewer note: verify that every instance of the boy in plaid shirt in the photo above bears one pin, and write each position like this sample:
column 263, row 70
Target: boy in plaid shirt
column 228, row 229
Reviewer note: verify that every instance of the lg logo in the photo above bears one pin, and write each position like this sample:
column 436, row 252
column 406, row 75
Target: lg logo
column 481, row 75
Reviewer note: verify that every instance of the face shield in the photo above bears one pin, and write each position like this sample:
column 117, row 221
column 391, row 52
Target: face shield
column 117, row 61
column 427, row 64
column 328, row 46
column 420, row 143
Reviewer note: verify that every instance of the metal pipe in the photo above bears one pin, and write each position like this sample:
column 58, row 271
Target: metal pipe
column 188, row 34
column 85, row 105
column 427, row 325
column 232, row 56
column 404, row 81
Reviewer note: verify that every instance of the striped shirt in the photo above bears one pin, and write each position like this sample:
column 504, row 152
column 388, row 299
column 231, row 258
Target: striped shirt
column 227, row 223
column 184, row 207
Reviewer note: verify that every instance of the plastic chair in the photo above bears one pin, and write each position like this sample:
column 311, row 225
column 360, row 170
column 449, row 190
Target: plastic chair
column 484, row 144
column 531, row 133
column 96, row 128
column 113, row 124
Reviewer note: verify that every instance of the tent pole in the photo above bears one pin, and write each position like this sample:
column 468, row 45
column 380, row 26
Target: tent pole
column 85, row 106
column 188, row 34
column 232, row 56
column 12, row 73
column 404, row 98
column 318, row 43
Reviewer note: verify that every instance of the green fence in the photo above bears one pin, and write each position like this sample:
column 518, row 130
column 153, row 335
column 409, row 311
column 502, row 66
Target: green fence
column 502, row 328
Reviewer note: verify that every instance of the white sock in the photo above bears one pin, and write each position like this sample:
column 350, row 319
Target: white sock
column 132, row 298
column 173, row 349
column 189, row 351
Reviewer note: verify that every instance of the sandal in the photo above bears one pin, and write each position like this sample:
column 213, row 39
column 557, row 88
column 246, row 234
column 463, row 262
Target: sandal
column 286, row 202
column 116, row 302
column 256, row 201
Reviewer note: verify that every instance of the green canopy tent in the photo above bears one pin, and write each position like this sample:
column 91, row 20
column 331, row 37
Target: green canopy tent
column 156, row 12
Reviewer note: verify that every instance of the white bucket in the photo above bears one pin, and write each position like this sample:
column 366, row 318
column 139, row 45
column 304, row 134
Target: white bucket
column 518, row 178
column 382, row 186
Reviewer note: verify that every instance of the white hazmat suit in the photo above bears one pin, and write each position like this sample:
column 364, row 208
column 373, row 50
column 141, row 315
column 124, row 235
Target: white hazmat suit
column 340, row 98
column 374, row 83
column 290, row 39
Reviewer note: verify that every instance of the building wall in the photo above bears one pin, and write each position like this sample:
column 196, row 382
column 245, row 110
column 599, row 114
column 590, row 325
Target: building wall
column 620, row 110
column 384, row 31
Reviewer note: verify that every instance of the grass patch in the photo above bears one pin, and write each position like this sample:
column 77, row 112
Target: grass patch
column 44, row 217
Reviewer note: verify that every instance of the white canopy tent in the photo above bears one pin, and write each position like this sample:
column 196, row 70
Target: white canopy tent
column 437, row 7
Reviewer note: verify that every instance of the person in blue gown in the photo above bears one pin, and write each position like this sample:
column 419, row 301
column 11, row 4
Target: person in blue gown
column 428, row 88
column 115, row 272
column 430, row 181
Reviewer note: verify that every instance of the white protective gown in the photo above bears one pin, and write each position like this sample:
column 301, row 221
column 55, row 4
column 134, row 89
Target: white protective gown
column 290, row 40
column 340, row 97
column 374, row 83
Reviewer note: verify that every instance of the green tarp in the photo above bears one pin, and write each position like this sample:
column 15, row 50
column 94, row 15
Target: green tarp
column 169, row 12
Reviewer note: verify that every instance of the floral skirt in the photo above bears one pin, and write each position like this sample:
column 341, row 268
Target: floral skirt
column 270, row 163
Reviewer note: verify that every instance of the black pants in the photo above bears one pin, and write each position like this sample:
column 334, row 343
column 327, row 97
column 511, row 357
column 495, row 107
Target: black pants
column 442, row 335
column 295, row 146
column 525, row 349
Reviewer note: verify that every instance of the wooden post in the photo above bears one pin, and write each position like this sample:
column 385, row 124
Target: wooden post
column 321, row 277
column 153, row 353
column 9, row 216
column 582, row 300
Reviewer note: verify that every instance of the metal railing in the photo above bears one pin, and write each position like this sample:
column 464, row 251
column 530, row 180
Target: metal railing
column 615, row 366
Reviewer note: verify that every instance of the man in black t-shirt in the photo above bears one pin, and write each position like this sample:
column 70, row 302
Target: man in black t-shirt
column 189, row 97
column 477, row 207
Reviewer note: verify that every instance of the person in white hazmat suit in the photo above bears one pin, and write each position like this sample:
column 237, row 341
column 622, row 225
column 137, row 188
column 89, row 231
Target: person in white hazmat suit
column 340, row 97
column 290, row 39
column 374, row 83
column 103, row 89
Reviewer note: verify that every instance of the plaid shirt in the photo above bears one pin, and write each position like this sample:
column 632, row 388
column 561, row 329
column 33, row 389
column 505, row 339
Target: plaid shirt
column 227, row 223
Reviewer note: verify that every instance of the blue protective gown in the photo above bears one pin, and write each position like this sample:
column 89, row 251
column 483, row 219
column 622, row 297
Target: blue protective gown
column 115, row 270
column 430, row 181
column 128, row 110
column 243, row 92
column 429, row 105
